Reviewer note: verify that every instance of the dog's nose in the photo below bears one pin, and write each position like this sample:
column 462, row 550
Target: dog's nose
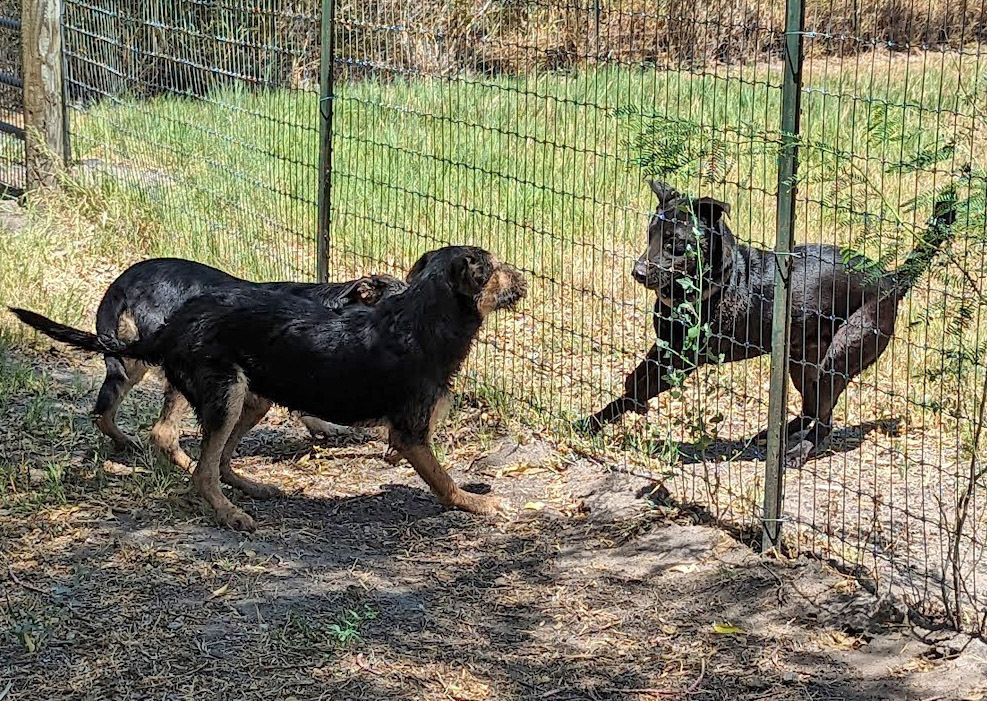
column 640, row 271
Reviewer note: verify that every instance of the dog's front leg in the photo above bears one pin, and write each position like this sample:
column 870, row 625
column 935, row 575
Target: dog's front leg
column 427, row 466
column 646, row 381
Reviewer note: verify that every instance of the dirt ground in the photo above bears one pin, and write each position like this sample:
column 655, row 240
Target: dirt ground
column 359, row 586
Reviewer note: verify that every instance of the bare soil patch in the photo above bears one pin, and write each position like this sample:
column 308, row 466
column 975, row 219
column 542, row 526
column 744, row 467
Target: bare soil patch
column 359, row 586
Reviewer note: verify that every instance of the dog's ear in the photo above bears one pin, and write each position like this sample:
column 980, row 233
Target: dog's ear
column 470, row 273
column 353, row 293
column 419, row 266
column 710, row 211
column 364, row 291
column 664, row 192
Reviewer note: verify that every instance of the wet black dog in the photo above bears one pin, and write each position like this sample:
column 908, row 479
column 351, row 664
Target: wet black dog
column 233, row 352
column 140, row 301
column 843, row 312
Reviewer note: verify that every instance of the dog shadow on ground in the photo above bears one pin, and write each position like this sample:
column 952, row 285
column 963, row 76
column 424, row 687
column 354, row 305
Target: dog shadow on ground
column 843, row 440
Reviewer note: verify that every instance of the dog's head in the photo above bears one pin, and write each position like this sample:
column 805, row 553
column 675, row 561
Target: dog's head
column 369, row 290
column 687, row 238
column 472, row 274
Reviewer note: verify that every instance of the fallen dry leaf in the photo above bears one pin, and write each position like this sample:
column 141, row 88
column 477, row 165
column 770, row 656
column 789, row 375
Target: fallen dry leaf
column 726, row 628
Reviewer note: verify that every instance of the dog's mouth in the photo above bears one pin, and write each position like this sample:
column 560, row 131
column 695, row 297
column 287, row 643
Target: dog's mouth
column 509, row 300
column 665, row 288
column 657, row 282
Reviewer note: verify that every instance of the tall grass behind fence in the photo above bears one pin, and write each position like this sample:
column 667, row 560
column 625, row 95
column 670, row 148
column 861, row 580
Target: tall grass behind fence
column 530, row 128
column 198, row 111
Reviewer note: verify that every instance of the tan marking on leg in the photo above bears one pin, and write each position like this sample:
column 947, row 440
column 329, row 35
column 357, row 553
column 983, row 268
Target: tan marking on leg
column 439, row 412
column 206, row 475
column 127, row 328
column 429, row 469
column 107, row 421
column 254, row 409
column 168, row 428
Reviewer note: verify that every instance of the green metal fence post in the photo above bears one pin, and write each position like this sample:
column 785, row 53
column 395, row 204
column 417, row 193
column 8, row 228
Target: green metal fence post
column 326, row 55
column 774, row 475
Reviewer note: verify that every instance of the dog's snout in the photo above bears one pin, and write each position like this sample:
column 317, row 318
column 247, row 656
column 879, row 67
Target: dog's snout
column 640, row 270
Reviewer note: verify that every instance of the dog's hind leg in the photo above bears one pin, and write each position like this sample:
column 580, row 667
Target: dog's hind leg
column 168, row 428
column 856, row 345
column 254, row 409
column 121, row 376
column 804, row 374
column 219, row 416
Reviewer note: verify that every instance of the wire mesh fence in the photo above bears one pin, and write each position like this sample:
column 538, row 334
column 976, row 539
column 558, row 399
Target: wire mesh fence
column 11, row 100
column 532, row 128
column 203, row 112
column 886, row 133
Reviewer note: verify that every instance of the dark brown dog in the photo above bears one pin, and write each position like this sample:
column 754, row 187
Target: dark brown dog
column 843, row 313
column 234, row 352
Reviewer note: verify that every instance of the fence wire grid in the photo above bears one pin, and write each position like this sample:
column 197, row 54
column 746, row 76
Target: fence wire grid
column 531, row 128
column 12, row 171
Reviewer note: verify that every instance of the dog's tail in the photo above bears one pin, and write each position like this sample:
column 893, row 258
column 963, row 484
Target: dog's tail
column 937, row 234
column 139, row 350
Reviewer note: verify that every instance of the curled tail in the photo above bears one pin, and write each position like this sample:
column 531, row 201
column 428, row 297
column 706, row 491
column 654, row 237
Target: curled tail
column 139, row 350
column 938, row 233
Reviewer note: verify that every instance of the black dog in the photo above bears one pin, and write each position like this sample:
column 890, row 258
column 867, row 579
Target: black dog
column 843, row 314
column 140, row 301
column 233, row 352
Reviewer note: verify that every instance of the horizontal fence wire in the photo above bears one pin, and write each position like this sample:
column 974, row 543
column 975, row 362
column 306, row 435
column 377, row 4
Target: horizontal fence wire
column 12, row 171
column 532, row 129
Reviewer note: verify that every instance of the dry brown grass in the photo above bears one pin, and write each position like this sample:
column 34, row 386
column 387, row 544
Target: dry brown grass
column 516, row 38
column 226, row 43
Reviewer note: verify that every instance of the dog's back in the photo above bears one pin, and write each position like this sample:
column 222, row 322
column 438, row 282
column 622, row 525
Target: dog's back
column 348, row 366
column 138, row 302
column 827, row 288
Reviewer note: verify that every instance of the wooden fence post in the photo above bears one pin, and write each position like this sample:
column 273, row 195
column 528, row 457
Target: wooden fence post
column 44, row 113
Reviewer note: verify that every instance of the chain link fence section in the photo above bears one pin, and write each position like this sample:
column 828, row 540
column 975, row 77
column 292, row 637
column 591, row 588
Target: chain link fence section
column 204, row 113
column 890, row 125
column 532, row 128
column 12, row 172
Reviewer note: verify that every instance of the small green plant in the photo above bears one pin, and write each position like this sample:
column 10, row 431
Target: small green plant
column 347, row 631
column 701, row 428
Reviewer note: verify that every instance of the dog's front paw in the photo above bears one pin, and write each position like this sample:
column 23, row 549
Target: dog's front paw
column 392, row 456
column 483, row 505
column 235, row 518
